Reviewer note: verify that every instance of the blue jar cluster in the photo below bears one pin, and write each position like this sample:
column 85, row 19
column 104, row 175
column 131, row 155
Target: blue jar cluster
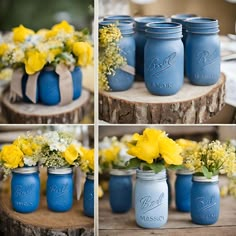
column 164, row 50
column 25, row 190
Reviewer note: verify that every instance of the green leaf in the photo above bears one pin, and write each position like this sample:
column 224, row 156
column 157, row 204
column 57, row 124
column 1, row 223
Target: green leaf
column 174, row 167
column 133, row 163
column 206, row 173
column 156, row 167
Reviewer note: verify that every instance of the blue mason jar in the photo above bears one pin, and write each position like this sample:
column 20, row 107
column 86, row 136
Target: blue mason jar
column 25, row 189
column 140, row 40
column 163, row 58
column 118, row 18
column 205, row 200
column 151, row 199
column 202, row 49
column 180, row 18
column 120, row 190
column 124, row 77
column 183, row 185
column 88, row 200
column 49, row 92
column 59, row 189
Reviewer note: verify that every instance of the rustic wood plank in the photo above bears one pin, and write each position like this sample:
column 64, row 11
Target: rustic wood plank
column 28, row 113
column 43, row 221
column 192, row 104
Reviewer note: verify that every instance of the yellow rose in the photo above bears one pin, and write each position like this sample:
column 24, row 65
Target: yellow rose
column 34, row 62
column 84, row 52
column 109, row 154
column 71, row 154
column 146, row 147
column 11, row 156
column 64, row 26
column 170, row 151
column 21, row 33
column 88, row 156
column 3, row 48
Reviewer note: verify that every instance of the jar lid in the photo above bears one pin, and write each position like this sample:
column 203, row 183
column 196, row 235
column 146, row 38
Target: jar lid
column 118, row 18
column 151, row 175
column 164, row 30
column 120, row 172
column 184, row 171
column 126, row 26
column 140, row 22
column 26, row 170
column 204, row 179
column 60, row 171
column 90, row 176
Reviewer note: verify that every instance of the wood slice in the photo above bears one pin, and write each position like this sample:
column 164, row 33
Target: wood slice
column 43, row 221
column 192, row 104
column 28, row 113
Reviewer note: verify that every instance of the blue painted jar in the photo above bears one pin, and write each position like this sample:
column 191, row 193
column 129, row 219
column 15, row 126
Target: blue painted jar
column 151, row 199
column 88, row 200
column 163, row 58
column 118, row 18
column 25, row 189
column 140, row 40
column 203, row 50
column 180, row 18
column 124, row 77
column 120, row 191
column 59, row 189
column 183, row 185
column 205, row 200
column 49, row 92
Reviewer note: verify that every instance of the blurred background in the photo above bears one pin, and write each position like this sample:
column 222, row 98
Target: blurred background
column 45, row 13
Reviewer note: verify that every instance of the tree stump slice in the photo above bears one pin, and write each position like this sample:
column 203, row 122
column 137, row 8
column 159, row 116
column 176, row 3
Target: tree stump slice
column 43, row 221
column 192, row 104
column 28, row 113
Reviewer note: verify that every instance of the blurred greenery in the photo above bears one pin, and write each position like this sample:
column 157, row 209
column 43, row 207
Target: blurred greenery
column 38, row 14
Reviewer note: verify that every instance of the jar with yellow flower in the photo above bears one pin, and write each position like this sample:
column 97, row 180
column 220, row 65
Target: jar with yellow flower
column 21, row 158
column 87, row 166
column 208, row 160
column 153, row 151
column 47, row 63
column 60, row 152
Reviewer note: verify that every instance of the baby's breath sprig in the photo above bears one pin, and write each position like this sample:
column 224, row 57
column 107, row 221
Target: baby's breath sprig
column 110, row 58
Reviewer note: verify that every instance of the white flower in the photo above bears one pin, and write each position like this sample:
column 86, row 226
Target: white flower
column 30, row 161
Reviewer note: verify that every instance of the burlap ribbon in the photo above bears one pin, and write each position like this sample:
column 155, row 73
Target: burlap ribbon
column 129, row 69
column 65, row 84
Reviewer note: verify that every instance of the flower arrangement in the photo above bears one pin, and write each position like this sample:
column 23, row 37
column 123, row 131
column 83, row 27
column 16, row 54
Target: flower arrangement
column 87, row 160
column 30, row 50
column 211, row 158
column 24, row 151
column 60, row 149
column 110, row 57
column 113, row 153
column 154, row 150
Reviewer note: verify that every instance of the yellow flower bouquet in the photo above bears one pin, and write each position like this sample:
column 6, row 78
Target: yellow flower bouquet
column 60, row 50
column 24, row 151
column 154, row 150
column 210, row 158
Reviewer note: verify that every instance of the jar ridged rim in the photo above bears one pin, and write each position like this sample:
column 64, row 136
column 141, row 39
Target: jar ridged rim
column 60, row 171
column 120, row 172
column 184, row 172
column 26, row 170
column 117, row 17
column 151, row 175
column 90, row 176
column 182, row 16
column 214, row 178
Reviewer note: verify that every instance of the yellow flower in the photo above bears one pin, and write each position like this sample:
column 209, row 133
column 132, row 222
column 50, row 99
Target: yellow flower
column 26, row 145
column 71, row 154
column 11, row 156
column 34, row 61
column 146, row 148
column 21, row 33
column 3, row 48
column 186, row 144
column 6, row 74
column 109, row 154
column 170, row 151
column 88, row 157
column 84, row 52
column 63, row 26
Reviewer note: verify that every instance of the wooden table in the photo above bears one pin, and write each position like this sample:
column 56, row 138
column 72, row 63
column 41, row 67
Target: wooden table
column 44, row 222
column 179, row 224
